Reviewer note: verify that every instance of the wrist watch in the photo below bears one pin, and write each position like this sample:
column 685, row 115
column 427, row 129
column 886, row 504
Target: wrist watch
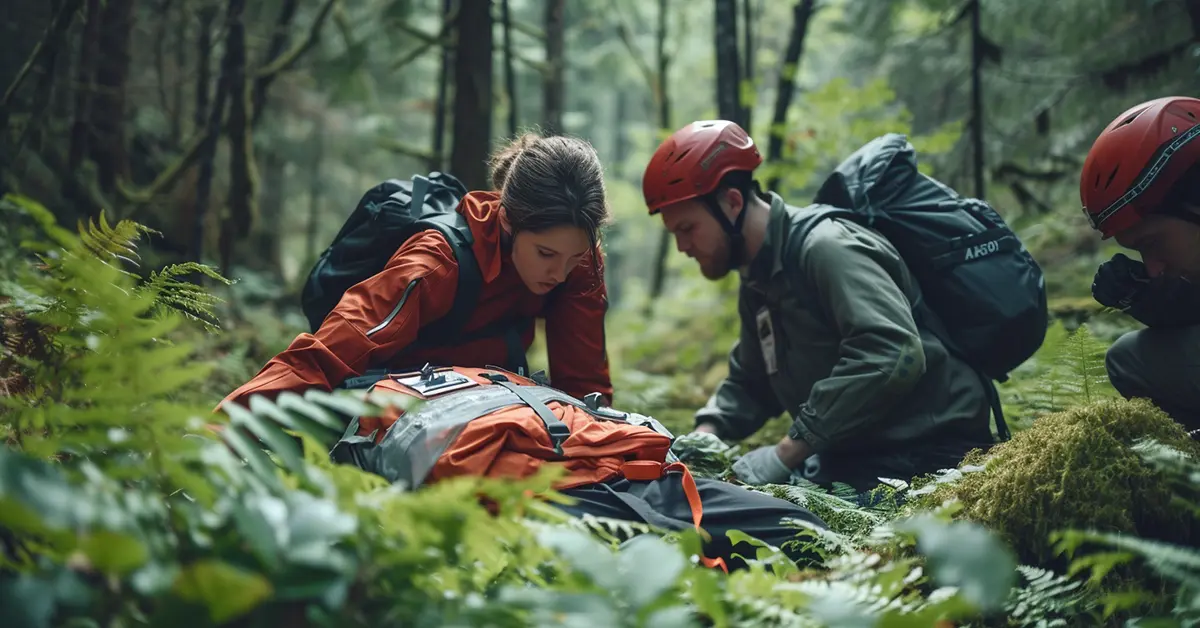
column 794, row 432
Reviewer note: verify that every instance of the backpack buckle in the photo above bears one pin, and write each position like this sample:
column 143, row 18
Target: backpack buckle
column 642, row 470
column 559, row 432
column 592, row 400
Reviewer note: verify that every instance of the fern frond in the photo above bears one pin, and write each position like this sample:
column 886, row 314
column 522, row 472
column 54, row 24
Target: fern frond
column 1067, row 370
column 612, row 531
column 1047, row 599
column 108, row 242
column 1182, row 470
column 191, row 300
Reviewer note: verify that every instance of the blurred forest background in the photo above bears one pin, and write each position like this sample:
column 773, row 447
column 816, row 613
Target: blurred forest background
column 245, row 132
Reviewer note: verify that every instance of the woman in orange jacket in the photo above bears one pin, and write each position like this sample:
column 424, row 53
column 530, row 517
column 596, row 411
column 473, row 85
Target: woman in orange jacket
column 540, row 230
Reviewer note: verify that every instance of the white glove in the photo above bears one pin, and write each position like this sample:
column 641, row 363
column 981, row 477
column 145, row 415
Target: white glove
column 762, row 466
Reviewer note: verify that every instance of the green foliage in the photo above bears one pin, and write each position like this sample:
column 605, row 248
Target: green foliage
column 1179, row 563
column 1067, row 370
column 119, row 506
column 833, row 121
column 1075, row 469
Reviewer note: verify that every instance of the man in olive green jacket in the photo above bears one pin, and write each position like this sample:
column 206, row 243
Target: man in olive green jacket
column 827, row 328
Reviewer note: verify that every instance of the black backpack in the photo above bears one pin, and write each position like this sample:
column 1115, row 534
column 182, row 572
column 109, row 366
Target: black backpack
column 983, row 293
column 388, row 215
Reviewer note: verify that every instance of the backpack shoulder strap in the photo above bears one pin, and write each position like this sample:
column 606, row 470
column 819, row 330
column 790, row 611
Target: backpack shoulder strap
column 457, row 232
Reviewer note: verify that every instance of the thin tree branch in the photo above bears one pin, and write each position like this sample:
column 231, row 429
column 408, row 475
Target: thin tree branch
column 285, row 61
column 443, row 38
column 171, row 174
column 58, row 26
column 627, row 39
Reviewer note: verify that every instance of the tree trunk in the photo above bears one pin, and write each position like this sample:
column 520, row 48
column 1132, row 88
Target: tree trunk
column 85, row 85
column 439, row 116
column 801, row 15
column 180, row 50
column 279, row 43
column 620, row 140
column 42, row 62
column 208, row 150
column 243, row 181
column 204, row 42
column 510, row 74
column 473, row 95
column 728, row 66
column 977, row 99
column 108, row 104
column 315, row 187
column 161, row 27
column 659, row 276
column 266, row 241
column 552, row 82
column 748, row 60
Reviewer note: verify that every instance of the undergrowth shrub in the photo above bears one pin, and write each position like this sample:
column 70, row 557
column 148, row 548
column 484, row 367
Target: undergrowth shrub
column 1076, row 468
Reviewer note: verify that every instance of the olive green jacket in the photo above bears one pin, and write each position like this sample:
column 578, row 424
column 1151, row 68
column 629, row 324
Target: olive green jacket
column 851, row 367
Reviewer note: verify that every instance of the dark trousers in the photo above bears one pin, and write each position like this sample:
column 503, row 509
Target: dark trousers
column 1162, row 365
column 862, row 469
column 662, row 503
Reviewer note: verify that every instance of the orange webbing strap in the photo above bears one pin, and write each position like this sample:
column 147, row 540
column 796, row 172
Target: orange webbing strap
column 650, row 470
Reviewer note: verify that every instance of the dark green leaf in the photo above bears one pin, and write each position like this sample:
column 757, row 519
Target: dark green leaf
column 965, row 555
column 226, row 590
column 113, row 553
column 673, row 617
column 278, row 442
column 345, row 405
column 584, row 554
column 264, row 469
column 25, row 602
column 648, row 568
column 260, row 530
column 295, row 403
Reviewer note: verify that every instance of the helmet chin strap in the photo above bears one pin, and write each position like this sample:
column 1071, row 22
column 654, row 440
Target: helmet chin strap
column 1184, row 214
column 733, row 230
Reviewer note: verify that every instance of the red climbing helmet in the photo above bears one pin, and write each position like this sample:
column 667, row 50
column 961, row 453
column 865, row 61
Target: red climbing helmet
column 693, row 160
column 1136, row 161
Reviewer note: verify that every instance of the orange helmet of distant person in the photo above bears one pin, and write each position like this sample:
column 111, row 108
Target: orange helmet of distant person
column 1136, row 161
column 692, row 162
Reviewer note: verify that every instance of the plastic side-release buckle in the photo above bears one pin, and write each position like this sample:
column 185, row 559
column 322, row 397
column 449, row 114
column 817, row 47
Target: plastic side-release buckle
column 642, row 470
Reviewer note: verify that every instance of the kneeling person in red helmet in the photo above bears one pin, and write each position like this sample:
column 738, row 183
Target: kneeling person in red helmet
column 493, row 423
column 1140, row 185
column 827, row 329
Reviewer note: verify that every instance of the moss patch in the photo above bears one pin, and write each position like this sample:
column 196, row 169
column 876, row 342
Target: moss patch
column 1075, row 469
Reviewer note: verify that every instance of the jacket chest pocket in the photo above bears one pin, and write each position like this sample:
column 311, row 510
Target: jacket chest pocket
column 806, row 349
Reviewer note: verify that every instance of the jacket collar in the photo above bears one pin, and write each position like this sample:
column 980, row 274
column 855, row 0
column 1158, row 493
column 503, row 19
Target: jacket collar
column 769, row 261
column 482, row 211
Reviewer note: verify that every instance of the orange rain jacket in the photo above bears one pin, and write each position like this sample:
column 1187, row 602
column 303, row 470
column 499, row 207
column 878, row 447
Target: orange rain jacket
column 374, row 323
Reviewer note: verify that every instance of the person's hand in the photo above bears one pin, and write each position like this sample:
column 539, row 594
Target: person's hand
column 1120, row 282
column 697, row 442
column 1167, row 300
column 762, row 466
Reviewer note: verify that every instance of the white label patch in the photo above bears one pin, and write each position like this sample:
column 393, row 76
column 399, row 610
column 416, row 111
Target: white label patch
column 766, row 339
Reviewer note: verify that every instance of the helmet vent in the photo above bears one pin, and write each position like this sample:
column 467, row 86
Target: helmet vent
column 1110, row 177
column 682, row 155
column 675, row 181
column 1131, row 118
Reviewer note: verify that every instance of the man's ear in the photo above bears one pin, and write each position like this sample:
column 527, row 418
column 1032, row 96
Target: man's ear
column 731, row 203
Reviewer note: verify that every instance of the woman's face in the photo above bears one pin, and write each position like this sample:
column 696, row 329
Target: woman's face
column 544, row 258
